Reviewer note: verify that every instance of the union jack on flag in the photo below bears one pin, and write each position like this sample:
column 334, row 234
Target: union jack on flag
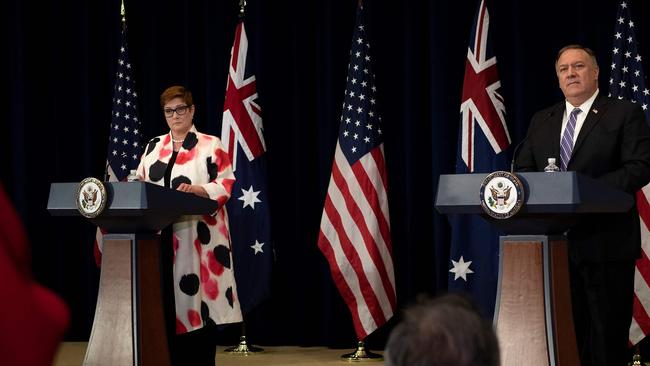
column 627, row 81
column 242, row 117
column 482, row 104
column 355, row 226
column 482, row 141
column 248, row 208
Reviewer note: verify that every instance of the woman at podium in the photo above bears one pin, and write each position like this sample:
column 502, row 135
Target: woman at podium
column 197, row 247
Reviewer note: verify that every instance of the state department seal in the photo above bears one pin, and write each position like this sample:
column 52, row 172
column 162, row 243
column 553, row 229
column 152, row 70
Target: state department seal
column 502, row 195
column 91, row 197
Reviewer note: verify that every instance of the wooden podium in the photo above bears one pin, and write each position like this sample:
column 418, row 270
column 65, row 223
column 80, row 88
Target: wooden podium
column 129, row 326
column 533, row 315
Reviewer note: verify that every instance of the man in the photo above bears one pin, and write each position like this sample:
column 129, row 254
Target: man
column 608, row 140
column 448, row 330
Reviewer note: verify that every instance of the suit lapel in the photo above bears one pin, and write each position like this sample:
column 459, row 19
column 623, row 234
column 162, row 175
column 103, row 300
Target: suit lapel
column 598, row 108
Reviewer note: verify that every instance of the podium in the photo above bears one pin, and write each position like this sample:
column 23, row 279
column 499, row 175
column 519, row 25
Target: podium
column 533, row 315
column 129, row 326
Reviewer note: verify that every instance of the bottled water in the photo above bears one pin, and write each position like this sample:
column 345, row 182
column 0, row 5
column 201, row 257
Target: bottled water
column 132, row 177
column 551, row 167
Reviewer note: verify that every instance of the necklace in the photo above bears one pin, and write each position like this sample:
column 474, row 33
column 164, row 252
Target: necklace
column 177, row 141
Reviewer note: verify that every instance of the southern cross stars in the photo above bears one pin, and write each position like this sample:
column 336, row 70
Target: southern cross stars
column 257, row 247
column 461, row 268
column 249, row 197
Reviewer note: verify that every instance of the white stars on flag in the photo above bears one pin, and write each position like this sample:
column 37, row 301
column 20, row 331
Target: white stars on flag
column 123, row 149
column 249, row 197
column 628, row 82
column 627, row 79
column 257, row 247
column 461, row 268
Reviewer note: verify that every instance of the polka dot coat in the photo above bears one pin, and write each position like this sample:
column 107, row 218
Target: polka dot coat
column 204, row 283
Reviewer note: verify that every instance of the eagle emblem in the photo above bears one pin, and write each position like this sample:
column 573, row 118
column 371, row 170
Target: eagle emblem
column 91, row 197
column 89, row 200
column 501, row 194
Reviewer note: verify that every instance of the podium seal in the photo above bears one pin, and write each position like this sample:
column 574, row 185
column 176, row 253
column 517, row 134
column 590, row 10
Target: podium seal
column 91, row 197
column 502, row 195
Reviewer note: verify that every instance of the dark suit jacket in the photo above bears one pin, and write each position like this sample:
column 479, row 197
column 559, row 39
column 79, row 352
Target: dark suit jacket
column 612, row 146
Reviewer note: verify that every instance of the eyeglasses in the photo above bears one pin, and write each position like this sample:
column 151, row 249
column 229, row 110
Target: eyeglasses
column 180, row 110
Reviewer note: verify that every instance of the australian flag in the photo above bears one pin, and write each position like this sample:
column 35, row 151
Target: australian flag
column 482, row 141
column 248, row 207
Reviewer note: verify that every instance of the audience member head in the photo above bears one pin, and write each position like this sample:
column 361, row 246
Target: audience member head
column 445, row 331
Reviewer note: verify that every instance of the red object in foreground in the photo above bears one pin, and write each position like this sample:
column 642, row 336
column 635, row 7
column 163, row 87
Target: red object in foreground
column 33, row 319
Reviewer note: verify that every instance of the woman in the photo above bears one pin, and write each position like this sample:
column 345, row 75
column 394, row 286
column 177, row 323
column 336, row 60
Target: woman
column 203, row 279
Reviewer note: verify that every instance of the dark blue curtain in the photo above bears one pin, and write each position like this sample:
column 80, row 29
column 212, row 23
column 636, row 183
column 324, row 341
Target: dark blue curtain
column 61, row 67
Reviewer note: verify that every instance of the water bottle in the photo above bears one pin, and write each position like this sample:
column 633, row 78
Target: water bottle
column 132, row 177
column 551, row 167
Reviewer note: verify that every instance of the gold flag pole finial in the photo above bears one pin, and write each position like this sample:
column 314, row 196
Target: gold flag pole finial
column 242, row 7
column 123, row 13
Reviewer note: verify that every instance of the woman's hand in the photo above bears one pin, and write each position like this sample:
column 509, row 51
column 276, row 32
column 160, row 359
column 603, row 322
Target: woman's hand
column 190, row 188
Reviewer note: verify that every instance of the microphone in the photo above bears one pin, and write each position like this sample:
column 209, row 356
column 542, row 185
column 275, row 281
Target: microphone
column 521, row 143
column 106, row 175
column 514, row 153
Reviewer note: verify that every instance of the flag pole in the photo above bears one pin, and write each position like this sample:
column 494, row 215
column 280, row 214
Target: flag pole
column 360, row 81
column 107, row 176
column 360, row 354
column 243, row 348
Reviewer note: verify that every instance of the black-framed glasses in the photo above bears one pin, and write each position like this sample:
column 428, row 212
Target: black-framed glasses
column 180, row 110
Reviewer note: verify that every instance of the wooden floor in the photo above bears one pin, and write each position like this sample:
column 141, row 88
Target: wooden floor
column 72, row 354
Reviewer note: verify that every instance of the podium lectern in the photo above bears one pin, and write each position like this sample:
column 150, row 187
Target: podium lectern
column 533, row 316
column 129, row 326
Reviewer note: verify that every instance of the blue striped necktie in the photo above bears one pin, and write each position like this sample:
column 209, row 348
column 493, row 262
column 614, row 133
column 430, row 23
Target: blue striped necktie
column 566, row 145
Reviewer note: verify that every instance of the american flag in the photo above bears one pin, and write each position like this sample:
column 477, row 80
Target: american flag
column 627, row 81
column 248, row 209
column 355, row 231
column 124, row 147
column 482, row 141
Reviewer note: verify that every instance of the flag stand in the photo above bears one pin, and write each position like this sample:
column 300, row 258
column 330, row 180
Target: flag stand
column 361, row 355
column 243, row 348
column 636, row 359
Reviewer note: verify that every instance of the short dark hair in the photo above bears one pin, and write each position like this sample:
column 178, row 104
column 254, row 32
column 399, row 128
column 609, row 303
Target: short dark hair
column 176, row 91
column 587, row 50
column 448, row 330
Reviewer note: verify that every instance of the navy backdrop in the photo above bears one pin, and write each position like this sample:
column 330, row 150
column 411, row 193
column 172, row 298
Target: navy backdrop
column 59, row 81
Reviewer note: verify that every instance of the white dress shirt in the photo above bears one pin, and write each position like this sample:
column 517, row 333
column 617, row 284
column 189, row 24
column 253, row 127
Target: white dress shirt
column 580, row 119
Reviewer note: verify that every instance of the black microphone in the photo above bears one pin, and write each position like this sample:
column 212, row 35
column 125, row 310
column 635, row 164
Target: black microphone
column 520, row 144
column 107, row 176
column 514, row 153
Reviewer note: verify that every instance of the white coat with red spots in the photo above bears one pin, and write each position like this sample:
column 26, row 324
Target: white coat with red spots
column 204, row 282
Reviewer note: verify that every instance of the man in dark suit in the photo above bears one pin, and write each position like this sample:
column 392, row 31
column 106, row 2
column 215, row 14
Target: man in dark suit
column 608, row 140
